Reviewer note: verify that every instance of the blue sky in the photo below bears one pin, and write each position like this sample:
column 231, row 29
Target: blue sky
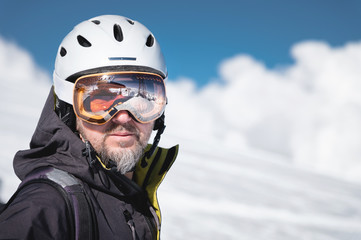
column 195, row 35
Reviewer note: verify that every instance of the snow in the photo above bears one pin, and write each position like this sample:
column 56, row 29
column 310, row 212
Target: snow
column 276, row 157
column 225, row 194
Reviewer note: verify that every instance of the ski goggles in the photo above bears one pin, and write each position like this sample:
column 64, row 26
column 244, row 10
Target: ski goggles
column 98, row 97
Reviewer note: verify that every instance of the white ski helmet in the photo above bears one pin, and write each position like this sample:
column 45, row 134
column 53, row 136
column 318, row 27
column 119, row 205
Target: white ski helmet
column 105, row 41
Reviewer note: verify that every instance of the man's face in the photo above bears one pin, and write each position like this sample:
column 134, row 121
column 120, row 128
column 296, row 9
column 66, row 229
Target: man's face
column 122, row 139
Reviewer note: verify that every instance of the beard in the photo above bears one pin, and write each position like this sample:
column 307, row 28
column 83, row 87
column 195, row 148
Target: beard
column 125, row 158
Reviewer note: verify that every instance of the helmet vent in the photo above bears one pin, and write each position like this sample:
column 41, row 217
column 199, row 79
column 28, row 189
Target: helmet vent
column 130, row 21
column 150, row 41
column 118, row 34
column 83, row 42
column 97, row 22
column 62, row 52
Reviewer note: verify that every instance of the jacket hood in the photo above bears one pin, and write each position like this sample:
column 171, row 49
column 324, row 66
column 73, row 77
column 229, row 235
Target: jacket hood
column 53, row 144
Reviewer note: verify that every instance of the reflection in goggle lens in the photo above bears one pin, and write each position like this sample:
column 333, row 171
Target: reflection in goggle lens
column 98, row 97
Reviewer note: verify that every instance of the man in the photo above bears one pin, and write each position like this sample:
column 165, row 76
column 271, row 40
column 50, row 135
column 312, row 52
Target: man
column 108, row 96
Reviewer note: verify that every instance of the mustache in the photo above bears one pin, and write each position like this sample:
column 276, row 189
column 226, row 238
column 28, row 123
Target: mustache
column 112, row 128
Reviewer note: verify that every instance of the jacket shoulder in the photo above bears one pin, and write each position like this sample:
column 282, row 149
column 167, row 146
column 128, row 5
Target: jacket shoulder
column 36, row 212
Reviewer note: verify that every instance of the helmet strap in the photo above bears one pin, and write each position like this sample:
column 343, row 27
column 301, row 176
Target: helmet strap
column 159, row 126
column 66, row 113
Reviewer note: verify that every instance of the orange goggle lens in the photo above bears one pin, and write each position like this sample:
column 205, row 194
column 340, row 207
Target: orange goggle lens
column 98, row 97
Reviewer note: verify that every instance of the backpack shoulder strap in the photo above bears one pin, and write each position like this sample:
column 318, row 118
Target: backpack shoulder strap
column 83, row 222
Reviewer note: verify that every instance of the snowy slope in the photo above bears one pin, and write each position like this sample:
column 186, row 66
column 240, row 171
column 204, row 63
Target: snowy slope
column 215, row 194
column 229, row 196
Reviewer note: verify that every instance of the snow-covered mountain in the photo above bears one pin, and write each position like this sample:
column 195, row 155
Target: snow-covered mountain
column 217, row 193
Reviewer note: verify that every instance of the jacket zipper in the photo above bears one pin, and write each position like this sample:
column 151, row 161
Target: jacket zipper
column 130, row 222
column 153, row 223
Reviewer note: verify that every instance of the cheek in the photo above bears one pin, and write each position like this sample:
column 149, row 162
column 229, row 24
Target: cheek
column 90, row 132
column 146, row 130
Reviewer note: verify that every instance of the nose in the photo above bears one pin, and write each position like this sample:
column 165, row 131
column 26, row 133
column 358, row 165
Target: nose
column 122, row 116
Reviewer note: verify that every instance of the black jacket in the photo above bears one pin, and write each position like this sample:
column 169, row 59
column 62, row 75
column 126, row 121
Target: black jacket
column 38, row 211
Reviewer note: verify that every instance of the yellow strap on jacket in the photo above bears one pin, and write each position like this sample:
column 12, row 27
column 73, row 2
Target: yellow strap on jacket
column 149, row 173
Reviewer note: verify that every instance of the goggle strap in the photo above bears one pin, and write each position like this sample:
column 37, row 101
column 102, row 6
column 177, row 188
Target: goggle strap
column 155, row 141
column 63, row 89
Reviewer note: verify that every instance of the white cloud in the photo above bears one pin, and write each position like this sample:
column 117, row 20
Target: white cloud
column 24, row 87
column 309, row 111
